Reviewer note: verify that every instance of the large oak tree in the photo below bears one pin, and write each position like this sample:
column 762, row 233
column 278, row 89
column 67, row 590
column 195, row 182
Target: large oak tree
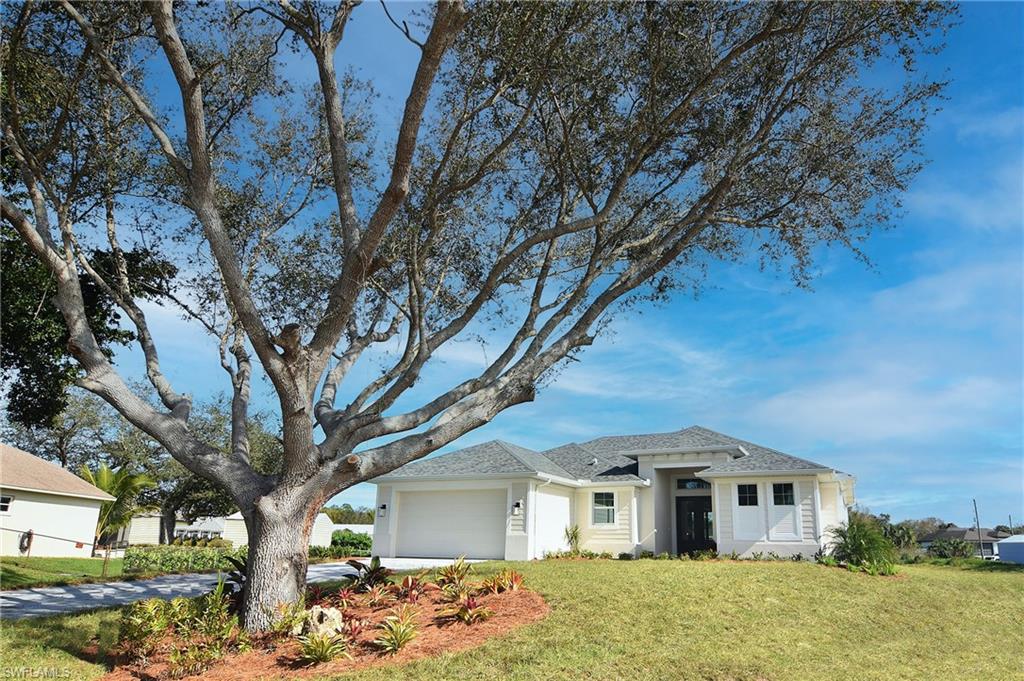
column 552, row 164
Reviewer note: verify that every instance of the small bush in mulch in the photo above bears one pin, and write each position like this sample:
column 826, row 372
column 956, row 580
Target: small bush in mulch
column 338, row 630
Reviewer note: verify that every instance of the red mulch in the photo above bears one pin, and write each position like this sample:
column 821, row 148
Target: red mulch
column 274, row 657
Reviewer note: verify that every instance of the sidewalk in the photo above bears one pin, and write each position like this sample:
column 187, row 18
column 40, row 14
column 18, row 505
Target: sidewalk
column 60, row 600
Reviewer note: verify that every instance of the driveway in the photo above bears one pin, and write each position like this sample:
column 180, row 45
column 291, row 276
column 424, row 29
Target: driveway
column 60, row 600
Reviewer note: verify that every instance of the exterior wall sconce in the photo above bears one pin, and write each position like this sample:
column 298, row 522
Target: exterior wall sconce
column 517, row 508
column 382, row 511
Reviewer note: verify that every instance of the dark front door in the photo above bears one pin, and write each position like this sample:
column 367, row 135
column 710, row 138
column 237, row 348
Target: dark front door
column 693, row 524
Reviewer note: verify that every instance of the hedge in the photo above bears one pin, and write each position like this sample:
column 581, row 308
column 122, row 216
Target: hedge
column 171, row 558
column 359, row 543
column 179, row 558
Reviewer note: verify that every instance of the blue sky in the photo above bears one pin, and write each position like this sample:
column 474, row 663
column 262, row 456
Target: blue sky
column 907, row 374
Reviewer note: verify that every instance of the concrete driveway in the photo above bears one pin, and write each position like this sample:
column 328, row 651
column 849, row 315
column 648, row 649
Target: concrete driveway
column 60, row 600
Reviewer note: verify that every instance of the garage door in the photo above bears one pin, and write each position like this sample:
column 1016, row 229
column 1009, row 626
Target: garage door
column 450, row 524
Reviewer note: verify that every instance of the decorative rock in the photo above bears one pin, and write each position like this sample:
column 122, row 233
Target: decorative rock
column 327, row 621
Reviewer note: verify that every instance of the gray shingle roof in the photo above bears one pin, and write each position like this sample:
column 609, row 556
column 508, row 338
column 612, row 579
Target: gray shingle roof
column 759, row 458
column 585, row 464
column 489, row 458
column 577, row 461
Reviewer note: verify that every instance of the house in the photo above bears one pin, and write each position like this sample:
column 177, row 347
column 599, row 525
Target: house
column 673, row 492
column 233, row 529
column 352, row 527
column 1011, row 549
column 59, row 508
column 989, row 539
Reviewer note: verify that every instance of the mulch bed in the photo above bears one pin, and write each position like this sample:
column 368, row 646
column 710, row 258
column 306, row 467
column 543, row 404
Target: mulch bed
column 279, row 657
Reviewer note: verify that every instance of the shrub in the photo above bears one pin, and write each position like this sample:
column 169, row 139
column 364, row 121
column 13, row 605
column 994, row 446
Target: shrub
column 706, row 554
column 860, row 540
column 455, row 592
column 647, row 554
column 572, row 538
column 219, row 543
column 318, row 648
column 951, row 548
column 191, row 659
column 626, row 555
column 352, row 543
column 176, row 558
column 606, row 555
column 143, row 623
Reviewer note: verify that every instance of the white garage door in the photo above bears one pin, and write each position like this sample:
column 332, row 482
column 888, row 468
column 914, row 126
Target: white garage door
column 553, row 516
column 450, row 524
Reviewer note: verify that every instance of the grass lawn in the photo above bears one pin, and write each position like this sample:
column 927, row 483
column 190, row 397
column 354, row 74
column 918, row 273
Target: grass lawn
column 19, row 573
column 690, row 620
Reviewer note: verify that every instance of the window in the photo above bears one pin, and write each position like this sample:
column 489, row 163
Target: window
column 747, row 495
column 692, row 483
column 5, row 503
column 782, row 493
column 604, row 508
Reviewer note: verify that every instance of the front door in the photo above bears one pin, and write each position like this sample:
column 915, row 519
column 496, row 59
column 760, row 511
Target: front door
column 693, row 524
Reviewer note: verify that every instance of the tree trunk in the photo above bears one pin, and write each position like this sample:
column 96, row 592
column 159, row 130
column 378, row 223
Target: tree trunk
column 168, row 520
column 276, row 567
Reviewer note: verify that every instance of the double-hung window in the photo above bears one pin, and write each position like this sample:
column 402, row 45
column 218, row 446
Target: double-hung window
column 747, row 495
column 5, row 503
column 604, row 508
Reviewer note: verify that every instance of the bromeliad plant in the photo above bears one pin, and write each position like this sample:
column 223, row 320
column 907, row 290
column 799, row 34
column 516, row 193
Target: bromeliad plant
column 469, row 611
column 397, row 629
column 378, row 596
column 505, row 580
column 320, row 648
column 456, row 573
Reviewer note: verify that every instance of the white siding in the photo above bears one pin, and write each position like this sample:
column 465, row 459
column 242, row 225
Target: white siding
column 553, row 507
column 144, row 529
column 615, row 538
column 322, row 530
column 72, row 519
column 235, row 532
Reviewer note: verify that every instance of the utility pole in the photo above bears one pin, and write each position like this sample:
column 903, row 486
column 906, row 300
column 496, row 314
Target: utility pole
column 977, row 526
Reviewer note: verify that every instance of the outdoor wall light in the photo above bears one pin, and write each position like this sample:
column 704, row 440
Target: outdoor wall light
column 517, row 508
column 382, row 511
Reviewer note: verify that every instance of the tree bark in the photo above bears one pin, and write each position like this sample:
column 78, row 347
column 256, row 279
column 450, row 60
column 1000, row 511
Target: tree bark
column 168, row 519
column 278, row 557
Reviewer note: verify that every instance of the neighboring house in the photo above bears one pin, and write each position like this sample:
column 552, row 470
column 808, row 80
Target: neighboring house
column 1011, row 549
column 989, row 539
column 666, row 492
column 351, row 527
column 60, row 508
column 143, row 529
column 232, row 528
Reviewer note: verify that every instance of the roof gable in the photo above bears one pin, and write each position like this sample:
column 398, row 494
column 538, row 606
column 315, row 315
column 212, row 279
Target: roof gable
column 21, row 470
column 488, row 458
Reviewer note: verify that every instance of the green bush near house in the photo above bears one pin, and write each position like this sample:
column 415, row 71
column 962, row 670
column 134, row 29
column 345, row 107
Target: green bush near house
column 355, row 543
column 951, row 548
column 170, row 558
column 861, row 542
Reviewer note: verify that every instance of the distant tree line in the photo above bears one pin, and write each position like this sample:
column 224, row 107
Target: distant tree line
column 347, row 515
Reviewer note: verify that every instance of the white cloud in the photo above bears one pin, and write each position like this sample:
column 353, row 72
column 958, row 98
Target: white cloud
column 992, row 125
column 993, row 202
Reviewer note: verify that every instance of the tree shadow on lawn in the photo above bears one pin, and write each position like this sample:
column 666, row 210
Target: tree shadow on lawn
column 68, row 633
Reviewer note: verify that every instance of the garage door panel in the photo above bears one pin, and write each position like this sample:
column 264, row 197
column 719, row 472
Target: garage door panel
column 452, row 523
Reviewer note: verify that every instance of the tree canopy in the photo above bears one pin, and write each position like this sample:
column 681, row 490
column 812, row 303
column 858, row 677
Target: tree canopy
column 554, row 164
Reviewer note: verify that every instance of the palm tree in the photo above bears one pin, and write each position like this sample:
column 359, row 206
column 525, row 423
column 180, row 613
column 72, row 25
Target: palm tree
column 125, row 486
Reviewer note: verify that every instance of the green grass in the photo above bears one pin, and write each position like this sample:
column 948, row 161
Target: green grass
column 20, row 573
column 692, row 620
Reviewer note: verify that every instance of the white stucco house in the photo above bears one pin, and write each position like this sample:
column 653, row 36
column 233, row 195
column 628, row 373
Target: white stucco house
column 60, row 508
column 665, row 492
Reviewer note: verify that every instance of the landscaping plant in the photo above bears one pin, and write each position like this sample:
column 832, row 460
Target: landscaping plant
column 397, row 629
column 369, row 575
column 860, row 541
column 319, row 648
column 456, row 573
column 951, row 548
column 469, row 610
column 572, row 538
